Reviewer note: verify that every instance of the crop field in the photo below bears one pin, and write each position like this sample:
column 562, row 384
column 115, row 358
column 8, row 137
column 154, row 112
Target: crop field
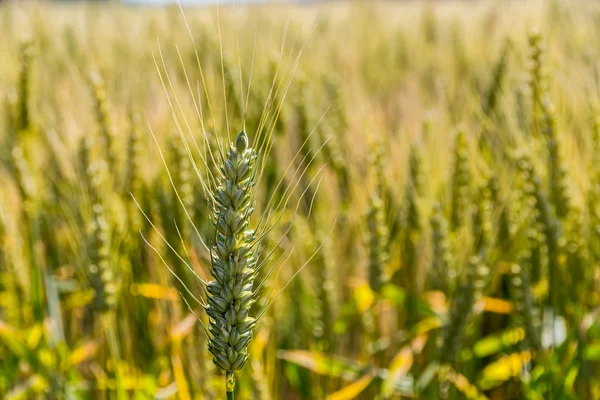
column 341, row 200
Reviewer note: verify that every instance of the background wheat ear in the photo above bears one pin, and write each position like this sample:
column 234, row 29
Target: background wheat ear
column 500, row 282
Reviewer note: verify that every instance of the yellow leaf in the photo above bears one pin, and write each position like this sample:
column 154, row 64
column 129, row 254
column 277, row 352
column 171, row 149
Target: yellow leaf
column 261, row 339
column 541, row 288
column 79, row 299
column 462, row 384
column 437, row 301
column 46, row 357
column 354, row 389
column 401, row 364
column 34, row 336
column 493, row 344
column 35, row 384
column 180, row 378
column 495, row 305
column 503, row 369
column 13, row 339
column 154, row 291
column 363, row 297
column 323, row 364
column 83, row 352
column 427, row 325
column 398, row 368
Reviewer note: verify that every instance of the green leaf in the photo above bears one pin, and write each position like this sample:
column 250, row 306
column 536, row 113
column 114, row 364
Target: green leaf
column 493, row 344
column 393, row 293
column 427, row 376
column 592, row 352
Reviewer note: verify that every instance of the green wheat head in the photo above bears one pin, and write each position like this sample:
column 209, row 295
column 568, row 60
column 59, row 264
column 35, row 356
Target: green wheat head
column 233, row 260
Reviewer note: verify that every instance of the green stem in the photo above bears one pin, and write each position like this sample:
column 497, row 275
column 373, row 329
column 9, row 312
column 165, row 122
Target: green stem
column 229, row 384
column 109, row 319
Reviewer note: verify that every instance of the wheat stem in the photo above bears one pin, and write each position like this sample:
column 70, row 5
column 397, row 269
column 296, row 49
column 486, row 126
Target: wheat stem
column 229, row 384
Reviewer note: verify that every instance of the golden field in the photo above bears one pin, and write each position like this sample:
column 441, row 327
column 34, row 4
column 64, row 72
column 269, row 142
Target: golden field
column 415, row 214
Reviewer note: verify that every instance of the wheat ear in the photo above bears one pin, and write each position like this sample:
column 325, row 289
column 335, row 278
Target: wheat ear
column 233, row 263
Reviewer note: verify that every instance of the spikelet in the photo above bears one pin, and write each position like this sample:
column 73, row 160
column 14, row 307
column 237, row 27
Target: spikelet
column 103, row 120
column 461, row 309
column 213, row 147
column 461, row 180
column 230, row 294
column 443, row 273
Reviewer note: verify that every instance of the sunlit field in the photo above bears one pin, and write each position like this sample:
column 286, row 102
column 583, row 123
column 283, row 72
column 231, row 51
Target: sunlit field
column 393, row 200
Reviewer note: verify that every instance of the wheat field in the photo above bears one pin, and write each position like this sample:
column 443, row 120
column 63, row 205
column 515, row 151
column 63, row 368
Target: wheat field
column 370, row 200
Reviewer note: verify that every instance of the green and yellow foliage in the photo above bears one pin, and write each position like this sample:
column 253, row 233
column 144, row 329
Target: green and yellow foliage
column 416, row 202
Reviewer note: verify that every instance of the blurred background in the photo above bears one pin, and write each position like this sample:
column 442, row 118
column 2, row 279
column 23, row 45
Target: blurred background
column 431, row 195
